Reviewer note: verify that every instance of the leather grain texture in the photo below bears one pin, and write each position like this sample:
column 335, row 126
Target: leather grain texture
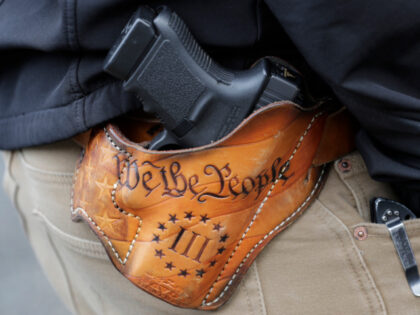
column 185, row 225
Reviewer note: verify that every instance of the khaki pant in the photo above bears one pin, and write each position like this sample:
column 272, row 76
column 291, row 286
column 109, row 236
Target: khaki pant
column 316, row 266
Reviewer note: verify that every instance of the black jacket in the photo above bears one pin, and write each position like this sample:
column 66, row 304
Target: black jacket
column 367, row 52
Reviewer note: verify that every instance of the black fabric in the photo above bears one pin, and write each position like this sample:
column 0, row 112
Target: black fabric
column 368, row 52
column 52, row 86
column 51, row 54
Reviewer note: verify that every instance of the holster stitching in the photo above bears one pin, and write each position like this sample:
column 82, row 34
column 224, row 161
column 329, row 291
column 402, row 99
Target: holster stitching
column 282, row 171
column 83, row 211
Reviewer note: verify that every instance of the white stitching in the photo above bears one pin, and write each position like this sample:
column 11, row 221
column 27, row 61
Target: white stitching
column 81, row 210
column 99, row 229
column 130, row 248
column 113, row 192
column 115, row 145
column 282, row 171
column 123, row 262
column 264, row 238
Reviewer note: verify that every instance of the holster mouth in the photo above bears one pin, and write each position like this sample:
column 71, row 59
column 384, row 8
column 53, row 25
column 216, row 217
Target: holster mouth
column 142, row 135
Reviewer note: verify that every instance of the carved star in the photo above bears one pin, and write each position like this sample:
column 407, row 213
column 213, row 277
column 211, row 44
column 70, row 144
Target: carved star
column 159, row 253
column 173, row 218
column 89, row 169
column 105, row 221
column 183, row 272
column 221, row 250
column 156, row 238
column 169, row 265
column 204, row 218
column 200, row 273
column 223, row 238
column 161, row 226
column 212, row 263
column 217, row 227
column 188, row 215
column 107, row 153
column 104, row 188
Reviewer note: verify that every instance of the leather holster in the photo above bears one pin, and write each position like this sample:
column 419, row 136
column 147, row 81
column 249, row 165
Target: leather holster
column 185, row 225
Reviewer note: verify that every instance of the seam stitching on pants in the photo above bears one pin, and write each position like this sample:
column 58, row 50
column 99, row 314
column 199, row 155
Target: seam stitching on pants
column 248, row 299
column 254, row 275
column 261, row 301
column 281, row 173
column 64, row 270
column 360, row 260
column 42, row 171
column 82, row 246
column 364, row 197
column 353, row 193
column 353, row 268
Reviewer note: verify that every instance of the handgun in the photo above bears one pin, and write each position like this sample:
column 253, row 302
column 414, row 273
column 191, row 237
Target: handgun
column 197, row 100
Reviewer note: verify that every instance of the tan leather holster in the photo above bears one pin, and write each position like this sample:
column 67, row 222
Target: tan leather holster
column 185, row 225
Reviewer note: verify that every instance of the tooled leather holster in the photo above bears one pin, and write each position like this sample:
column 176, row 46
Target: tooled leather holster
column 186, row 225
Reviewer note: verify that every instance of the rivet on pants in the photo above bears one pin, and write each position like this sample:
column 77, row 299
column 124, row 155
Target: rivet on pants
column 360, row 233
column 344, row 165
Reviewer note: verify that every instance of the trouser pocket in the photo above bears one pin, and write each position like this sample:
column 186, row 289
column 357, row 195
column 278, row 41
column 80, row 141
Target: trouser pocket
column 381, row 257
column 349, row 202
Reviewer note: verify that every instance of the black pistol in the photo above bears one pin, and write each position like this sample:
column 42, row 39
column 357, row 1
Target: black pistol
column 197, row 100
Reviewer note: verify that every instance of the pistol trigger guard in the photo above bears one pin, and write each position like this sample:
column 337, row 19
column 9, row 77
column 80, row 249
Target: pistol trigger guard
column 164, row 141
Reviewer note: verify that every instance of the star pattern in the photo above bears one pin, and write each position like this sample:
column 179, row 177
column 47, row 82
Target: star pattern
column 188, row 215
column 104, row 188
column 105, row 221
column 169, row 265
column 217, row 227
column 223, row 238
column 183, row 273
column 221, row 250
column 89, row 169
column 156, row 238
column 173, row 218
column 161, row 226
column 159, row 253
column 204, row 218
column 200, row 273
